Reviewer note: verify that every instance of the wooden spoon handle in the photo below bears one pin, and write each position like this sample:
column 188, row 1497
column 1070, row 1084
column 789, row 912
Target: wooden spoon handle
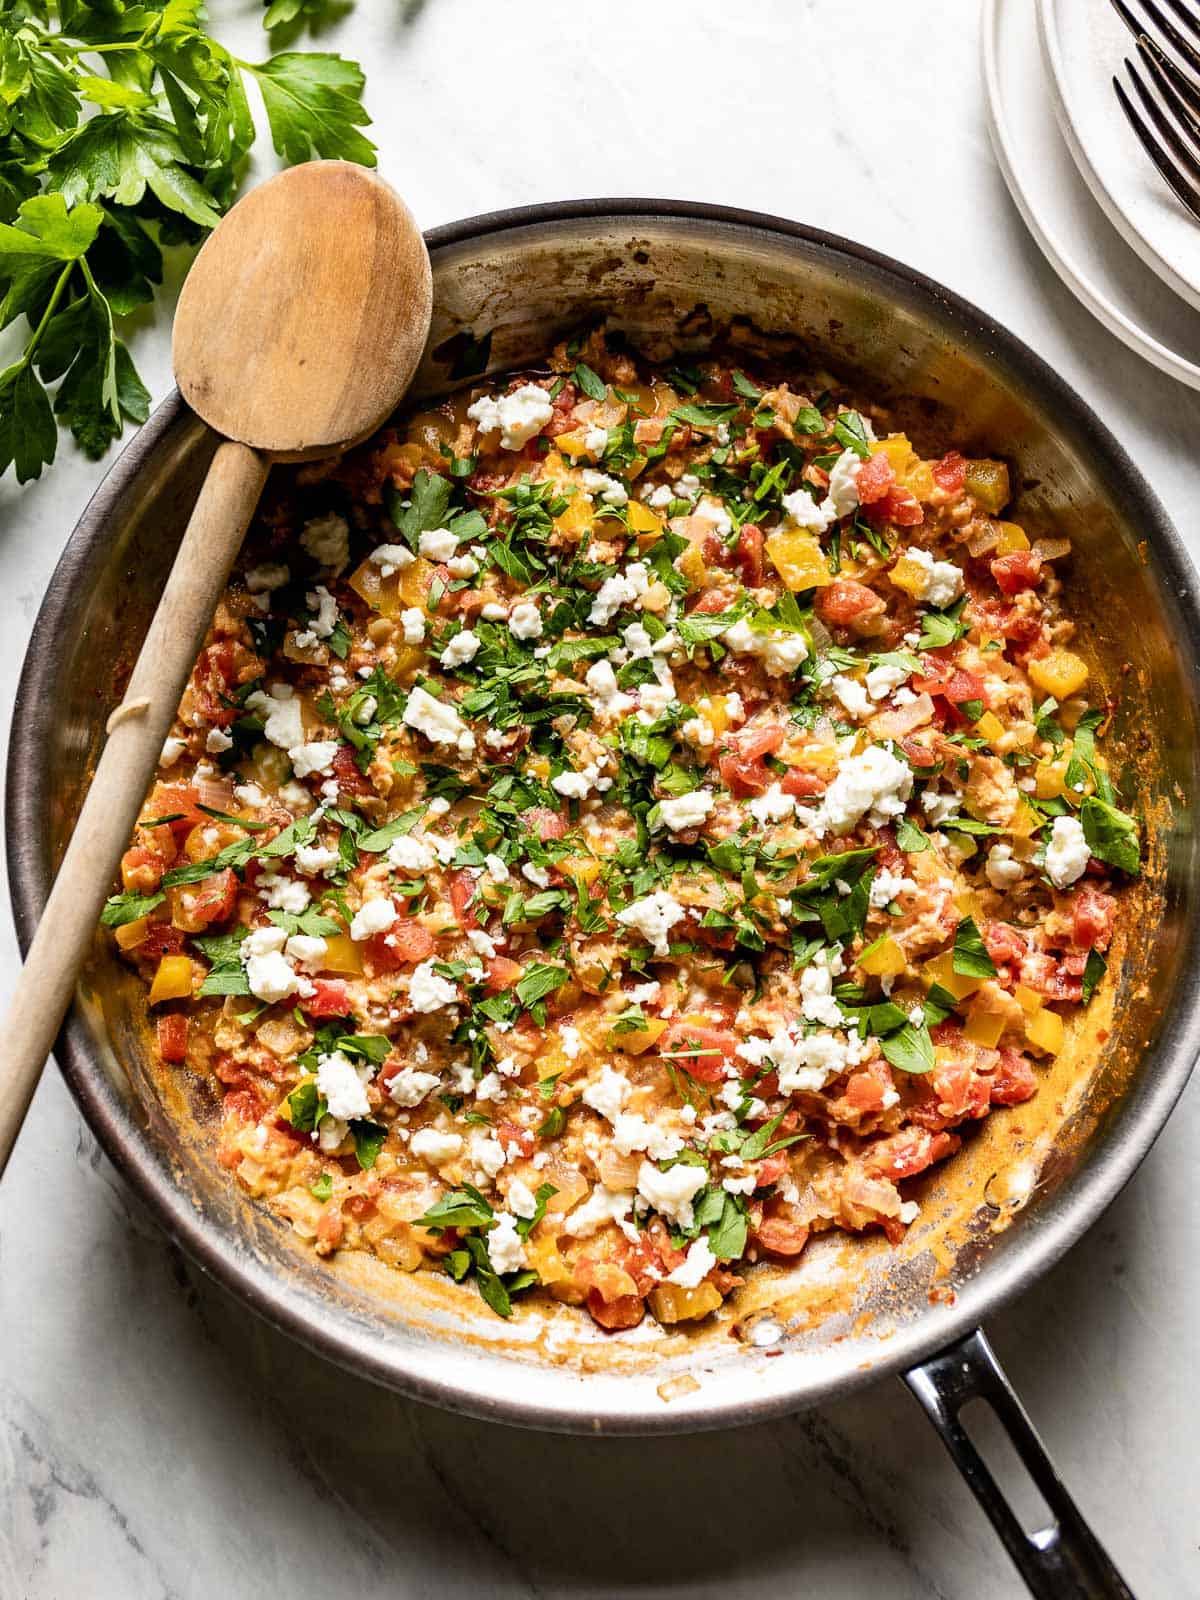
column 136, row 732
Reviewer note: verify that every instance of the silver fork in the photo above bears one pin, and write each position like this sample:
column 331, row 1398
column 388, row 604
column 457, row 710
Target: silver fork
column 1169, row 51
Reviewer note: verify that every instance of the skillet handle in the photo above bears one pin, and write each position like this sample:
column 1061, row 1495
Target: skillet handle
column 1062, row 1562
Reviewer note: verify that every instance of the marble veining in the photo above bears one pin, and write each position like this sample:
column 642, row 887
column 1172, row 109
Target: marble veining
column 157, row 1442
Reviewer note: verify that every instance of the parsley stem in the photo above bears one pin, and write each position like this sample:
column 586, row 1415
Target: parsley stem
column 51, row 306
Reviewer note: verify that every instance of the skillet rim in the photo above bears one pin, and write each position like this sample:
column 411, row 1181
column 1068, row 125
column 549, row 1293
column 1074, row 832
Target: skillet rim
column 1063, row 1218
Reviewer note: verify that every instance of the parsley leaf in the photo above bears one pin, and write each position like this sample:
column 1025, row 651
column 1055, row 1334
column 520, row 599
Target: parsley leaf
column 970, row 959
column 1111, row 835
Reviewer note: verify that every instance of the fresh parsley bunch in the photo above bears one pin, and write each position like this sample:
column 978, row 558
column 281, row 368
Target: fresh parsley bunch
column 124, row 128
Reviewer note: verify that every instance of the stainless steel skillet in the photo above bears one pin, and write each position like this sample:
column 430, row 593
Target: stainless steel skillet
column 1018, row 1194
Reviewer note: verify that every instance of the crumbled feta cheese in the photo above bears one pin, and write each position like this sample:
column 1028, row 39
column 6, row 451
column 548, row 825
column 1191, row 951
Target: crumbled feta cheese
column 327, row 540
column 325, row 612
column 412, row 621
column 518, row 415
column 410, row 854
column 428, row 990
column 631, row 1133
column 217, row 741
column 341, row 1088
column 1067, row 853
column 462, row 648
column 283, row 894
column 314, row 858
column 806, row 513
column 409, row 1086
column 696, row 1265
column 374, row 916
column 888, row 886
column 780, row 653
column 391, row 558
column 624, row 589
column 881, row 680
column 462, row 566
column 608, row 1093
column 606, row 698
column 506, row 1248
column 315, row 756
column 487, row 1154
column 804, row 1064
column 609, row 489
column 772, row 805
column 852, row 696
column 571, row 1041
column 437, row 544
column 1002, row 871
column 816, row 996
column 942, row 580
column 938, row 807
column 268, row 972
column 438, row 721
column 595, row 440
column 574, row 785
column 525, row 621
column 522, row 1201
column 601, row 1206
column 435, row 1146
column 270, row 575
column 875, row 784
column 279, row 708
column 653, row 917
column 309, row 949
column 843, row 483
column 684, row 811
column 672, row 1192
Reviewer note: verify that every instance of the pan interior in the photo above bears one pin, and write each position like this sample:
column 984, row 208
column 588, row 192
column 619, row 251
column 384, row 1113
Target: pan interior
column 1021, row 1189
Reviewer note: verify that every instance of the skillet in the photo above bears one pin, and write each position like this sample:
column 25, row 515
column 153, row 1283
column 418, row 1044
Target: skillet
column 1019, row 1194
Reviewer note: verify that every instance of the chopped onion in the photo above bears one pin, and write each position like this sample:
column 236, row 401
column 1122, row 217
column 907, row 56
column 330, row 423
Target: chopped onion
column 1051, row 549
column 821, row 636
column 215, row 793
column 618, row 1171
column 984, row 540
column 902, row 720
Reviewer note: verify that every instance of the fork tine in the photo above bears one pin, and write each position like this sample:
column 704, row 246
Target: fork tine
column 1183, row 191
column 1172, row 81
column 1186, row 50
column 1180, row 142
column 1188, row 17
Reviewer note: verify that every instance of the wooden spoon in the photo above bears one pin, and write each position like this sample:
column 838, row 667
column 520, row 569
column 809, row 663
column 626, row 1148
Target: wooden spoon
column 299, row 329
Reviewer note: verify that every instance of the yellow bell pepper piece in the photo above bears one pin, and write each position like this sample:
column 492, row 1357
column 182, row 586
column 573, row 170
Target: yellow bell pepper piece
column 341, row 954
column 883, row 959
column 172, row 981
column 983, row 1027
column 692, row 565
column 576, row 519
column 1029, row 1000
column 1026, row 821
column 571, row 444
column 897, row 447
column 407, row 587
column 670, row 1302
column 1061, row 673
column 798, row 559
column 941, row 971
column 543, row 1257
column 1010, row 538
column 1048, row 777
column 634, row 1041
column 919, row 480
column 132, row 934
column 1044, row 1030
column 990, row 727
column 909, row 576
column 987, row 481
column 643, row 520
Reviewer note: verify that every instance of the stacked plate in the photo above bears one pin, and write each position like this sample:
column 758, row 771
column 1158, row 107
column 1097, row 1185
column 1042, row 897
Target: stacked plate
column 1086, row 189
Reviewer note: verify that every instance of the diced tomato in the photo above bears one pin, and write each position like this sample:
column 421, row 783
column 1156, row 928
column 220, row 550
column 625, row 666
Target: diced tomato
column 802, row 784
column 1004, row 944
column 512, row 1138
column 950, row 473
column 964, row 686
column 712, row 602
column 405, row 942
column 958, row 1091
column 743, row 768
column 546, row 824
column 906, row 1153
column 1092, row 915
column 346, row 771
column 875, row 478
column 163, row 939
column 867, row 1090
column 1018, row 571
column 624, row 1312
column 330, row 998
column 701, row 1051
column 844, row 601
column 214, row 898
column 173, row 1037
column 1058, row 978
column 778, row 1233
column 247, row 1106
column 771, row 1170
column 1006, row 622
column 948, row 1035
column 749, row 558
column 142, row 869
column 178, row 801
column 1013, row 1079
column 501, row 974
column 213, row 681
column 462, row 892
column 898, row 506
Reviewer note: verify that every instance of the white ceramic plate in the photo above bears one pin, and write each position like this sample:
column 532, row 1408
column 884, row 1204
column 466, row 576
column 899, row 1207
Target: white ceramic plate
column 1087, row 253
column 1084, row 43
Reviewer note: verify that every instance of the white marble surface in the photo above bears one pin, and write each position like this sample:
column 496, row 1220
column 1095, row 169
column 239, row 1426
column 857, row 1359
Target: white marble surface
column 156, row 1440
